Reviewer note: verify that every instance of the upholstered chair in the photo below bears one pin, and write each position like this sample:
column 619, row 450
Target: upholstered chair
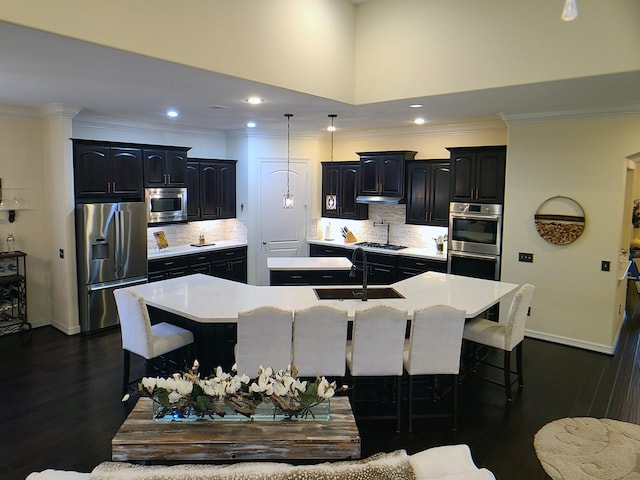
column 433, row 348
column 320, row 341
column 142, row 338
column 505, row 336
column 264, row 339
column 376, row 348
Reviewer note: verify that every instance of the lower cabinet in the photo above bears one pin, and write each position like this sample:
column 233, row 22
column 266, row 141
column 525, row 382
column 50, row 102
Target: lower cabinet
column 411, row 266
column 382, row 269
column 329, row 251
column 310, row 277
column 230, row 264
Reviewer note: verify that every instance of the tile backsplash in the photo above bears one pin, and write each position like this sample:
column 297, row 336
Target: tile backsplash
column 233, row 229
column 186, row 233
column 400, row 233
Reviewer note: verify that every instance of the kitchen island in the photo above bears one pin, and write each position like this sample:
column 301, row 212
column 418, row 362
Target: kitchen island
column 308, row 270
column 210, row 305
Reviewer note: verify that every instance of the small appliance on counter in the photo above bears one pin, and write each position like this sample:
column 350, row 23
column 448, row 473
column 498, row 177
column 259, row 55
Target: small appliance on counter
column 201, row 242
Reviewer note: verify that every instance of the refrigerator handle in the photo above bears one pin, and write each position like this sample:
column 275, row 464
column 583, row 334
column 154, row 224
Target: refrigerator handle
column 119, row 241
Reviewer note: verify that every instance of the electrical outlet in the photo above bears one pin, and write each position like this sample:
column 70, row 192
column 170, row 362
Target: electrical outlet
column 61, row 253
column 529, row 312
column 525, row 257
column 605, row 266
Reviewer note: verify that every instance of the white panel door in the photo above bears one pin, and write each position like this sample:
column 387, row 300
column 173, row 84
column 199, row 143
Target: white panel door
column 283, row 229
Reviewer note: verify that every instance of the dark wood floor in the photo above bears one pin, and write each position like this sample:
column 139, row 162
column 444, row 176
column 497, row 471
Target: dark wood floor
column 60, row 402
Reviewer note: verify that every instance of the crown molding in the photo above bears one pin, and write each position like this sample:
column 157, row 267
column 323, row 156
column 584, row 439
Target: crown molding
column 58, row 110
column 132, row 126
column 463, row 128
column 626, row 110
column 271, row 134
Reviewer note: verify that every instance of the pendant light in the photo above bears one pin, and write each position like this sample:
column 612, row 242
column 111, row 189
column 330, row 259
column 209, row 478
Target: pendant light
column 287, row 199
column 570, row 11
column 331, row 201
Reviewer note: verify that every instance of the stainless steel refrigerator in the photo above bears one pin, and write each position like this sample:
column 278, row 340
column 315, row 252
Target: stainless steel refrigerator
column 111, row 246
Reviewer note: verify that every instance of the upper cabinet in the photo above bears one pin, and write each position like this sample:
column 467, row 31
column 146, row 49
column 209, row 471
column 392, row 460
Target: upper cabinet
column 107, row 172
column 165, row 167
column 341, row 179
column 477, row 174
column 382, row 173
column 211, row 189
column 428, row 192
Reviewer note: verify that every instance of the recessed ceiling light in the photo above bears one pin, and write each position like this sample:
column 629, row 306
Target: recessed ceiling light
column 419, row 121
column 416, row 105
column 172, row 113
column 254, row 100
column 251, row 124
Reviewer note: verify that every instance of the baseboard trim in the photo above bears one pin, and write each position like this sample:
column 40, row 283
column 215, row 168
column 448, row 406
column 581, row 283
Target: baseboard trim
column 66, row 330
column 573, row 342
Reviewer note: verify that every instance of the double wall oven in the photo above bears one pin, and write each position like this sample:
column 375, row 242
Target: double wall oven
column 475, row 240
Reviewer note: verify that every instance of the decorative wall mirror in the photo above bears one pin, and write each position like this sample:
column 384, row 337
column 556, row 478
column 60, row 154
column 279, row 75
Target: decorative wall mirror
column 560, row 220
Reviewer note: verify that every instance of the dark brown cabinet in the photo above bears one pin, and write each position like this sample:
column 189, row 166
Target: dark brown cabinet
column 477, row 174
column 428, row 192
column 382, row 173
column 309, row 277
column 165, row 167
column 211, row 188
column 107, row 172
column 383, row 269
column 412, row 266
column 229, row 263
column 341, row 179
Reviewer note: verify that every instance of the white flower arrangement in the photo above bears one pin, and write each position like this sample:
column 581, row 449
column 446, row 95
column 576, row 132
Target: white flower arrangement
column 187, row 394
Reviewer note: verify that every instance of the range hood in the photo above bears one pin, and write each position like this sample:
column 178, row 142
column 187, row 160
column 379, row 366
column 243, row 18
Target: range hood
column 380, row 199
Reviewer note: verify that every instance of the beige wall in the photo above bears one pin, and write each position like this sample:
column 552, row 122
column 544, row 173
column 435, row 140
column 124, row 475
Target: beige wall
column 585, row 160
column 265, row 41
column 408, row 48
column 22, row 166
column 377, row 51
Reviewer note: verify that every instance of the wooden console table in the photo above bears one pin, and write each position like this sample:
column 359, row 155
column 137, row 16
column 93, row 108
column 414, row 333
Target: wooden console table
column 140, row 438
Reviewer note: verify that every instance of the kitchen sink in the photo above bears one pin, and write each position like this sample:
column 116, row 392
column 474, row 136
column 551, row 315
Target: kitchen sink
column 348, row 293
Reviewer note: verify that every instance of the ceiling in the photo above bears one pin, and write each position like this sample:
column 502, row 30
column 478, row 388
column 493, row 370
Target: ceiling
column 38, row 68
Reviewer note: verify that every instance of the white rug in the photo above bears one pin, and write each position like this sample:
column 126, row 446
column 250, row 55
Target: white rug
column 587, row 448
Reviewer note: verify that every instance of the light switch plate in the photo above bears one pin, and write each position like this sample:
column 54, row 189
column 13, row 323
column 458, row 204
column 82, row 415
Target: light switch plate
column 525, row 257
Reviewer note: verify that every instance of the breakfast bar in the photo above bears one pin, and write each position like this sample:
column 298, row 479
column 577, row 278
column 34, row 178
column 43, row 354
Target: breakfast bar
column 210, row 305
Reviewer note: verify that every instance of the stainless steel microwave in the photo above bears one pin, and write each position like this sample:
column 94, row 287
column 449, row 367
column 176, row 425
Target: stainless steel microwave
column 166, row 204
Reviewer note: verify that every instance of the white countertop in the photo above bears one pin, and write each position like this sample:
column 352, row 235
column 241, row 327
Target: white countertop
column 430, row 253
column 207, row 299
column 308, row 263
column 187, row 249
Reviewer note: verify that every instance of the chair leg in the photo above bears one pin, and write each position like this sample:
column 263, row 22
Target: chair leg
column 455, row 402
column 410, row 400
column 398, row 402
column 507, row 374
column 125, row 371
column 519, row 365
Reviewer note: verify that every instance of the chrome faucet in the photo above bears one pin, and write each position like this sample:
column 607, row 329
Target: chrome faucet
column 365, row 268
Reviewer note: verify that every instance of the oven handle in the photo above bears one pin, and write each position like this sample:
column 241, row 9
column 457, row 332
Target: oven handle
column 475, row 217
column 495, row 258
